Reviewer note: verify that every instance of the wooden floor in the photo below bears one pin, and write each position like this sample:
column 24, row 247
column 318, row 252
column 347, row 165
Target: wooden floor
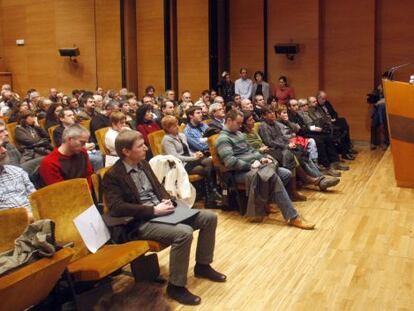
column 360, row 257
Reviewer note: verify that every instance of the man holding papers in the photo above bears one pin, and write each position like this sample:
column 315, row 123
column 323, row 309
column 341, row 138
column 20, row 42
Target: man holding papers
column 131, row 189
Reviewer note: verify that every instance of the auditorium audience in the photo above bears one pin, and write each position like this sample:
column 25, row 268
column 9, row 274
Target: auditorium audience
column 123, row 185
column 328, row 158
column 289, row 155
column 236, row 155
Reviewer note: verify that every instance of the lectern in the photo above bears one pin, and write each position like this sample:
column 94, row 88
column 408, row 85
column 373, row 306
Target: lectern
column 399, row 98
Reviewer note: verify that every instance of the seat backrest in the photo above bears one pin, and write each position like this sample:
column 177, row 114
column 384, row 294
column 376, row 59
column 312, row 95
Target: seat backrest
column 13, row 222
column 213, row 151
column 100, row 138
column 52, row 138
column 11, row 129
column 97, row 184
column 256, row 127
column 62, row 202
column 85, row 123
column 182, row 127
column 42, row 123
column 155, row 139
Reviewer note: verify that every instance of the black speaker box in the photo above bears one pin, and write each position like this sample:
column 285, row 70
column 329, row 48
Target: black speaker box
column 287, row 48
column 69, row 52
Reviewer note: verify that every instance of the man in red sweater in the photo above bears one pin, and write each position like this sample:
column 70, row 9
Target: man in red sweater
column 70, row 160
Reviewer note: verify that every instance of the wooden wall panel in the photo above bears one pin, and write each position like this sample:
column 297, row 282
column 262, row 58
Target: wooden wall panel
column 130, row 35
column 75, row 25
column 246, row 36
column 295, row 21
column 150, row 45
column 49, row 25
column 348, row 60
column 15, row 57
column 395, row 37
column 193, row 46
column 108, row 44
column 2, row 64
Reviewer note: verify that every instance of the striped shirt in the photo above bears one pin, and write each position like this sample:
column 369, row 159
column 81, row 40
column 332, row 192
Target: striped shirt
column 234, row 151
column 15, row 188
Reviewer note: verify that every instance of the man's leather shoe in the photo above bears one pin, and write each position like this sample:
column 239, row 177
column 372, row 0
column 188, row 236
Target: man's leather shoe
column 297, row 197
column 353, row 151
column 340, row 167
column 300, row 223
column 328, row 182
column 348, row 156
column 182, row 295
column 207, row 272
column 331, row 172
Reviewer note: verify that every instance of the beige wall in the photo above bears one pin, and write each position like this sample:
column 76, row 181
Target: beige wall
column 192, row 46
column 150, row 45
column 49, row 25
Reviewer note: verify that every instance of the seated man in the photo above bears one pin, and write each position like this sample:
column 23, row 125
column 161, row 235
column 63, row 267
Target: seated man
column 15, row 157
column 195, row 130
column 132, row 189
column 66, row 119
column 238, row 156
column 217, row 115
column 331, row 118
column 15, row 185
column 70, row 160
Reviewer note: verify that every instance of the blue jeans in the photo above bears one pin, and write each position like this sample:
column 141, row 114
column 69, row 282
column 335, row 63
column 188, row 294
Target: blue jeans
column 281, row 197
column 96, row 160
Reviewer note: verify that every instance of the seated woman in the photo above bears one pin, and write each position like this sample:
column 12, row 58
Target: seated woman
column 118, row 124
column 33, row 141
column 175, row 143
column 17, row 108
column 145, row 122
column 52, row 115
column 288, row 155
column 290, row 130
column 254, row 140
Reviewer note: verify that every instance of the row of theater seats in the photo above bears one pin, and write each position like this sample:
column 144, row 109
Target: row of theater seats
column 62, row 202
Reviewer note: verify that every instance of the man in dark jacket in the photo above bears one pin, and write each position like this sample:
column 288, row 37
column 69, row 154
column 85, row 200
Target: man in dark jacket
column 132, row 189
column 341, row 124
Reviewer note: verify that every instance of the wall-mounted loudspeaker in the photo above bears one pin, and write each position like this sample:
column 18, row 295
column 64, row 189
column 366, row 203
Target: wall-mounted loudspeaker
column 69, row 52
column 290, row 49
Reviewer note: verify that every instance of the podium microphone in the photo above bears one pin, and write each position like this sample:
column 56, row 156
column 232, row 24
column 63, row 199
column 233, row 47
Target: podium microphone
column 392, row 70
